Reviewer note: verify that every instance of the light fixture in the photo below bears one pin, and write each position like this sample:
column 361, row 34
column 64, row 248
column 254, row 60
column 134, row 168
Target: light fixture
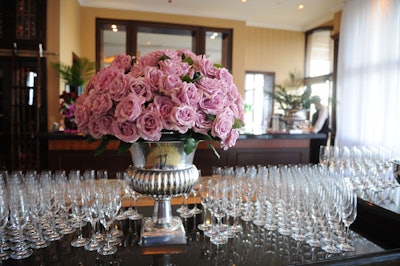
column 300, row 7
column 214, row 35
column 244, row 1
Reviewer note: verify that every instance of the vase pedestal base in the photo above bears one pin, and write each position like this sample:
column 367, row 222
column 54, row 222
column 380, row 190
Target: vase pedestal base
column 153, row 236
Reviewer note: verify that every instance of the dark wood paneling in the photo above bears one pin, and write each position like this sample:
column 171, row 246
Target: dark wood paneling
column 78, row 154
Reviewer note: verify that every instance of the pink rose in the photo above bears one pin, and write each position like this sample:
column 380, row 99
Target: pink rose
column 129, row 108
column 222, row 124
column 187, row 94
column 82, row 115
column 230, row 140
column 118, row 89
column 170, row 67
column 169, row 83
column 140, row 86
column 106, row 78
column 154, row 75
column 165, row 106
column 237, row 108
column 224, row 75
column 150, row 59
column 169, row 53
column 210, row 86
column 213, row 105
column 185, row 117
column 137, row 70
column 101, row 104
column 122, row 61
column 187, row 53
column 205, row 66
column 125, row 131
column 149, row 125
column 104, row 124
column 172, row 54
column 90, row 85
column 202, row 123
column 94, row 129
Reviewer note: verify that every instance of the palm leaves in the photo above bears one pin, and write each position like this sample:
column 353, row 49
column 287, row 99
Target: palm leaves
column 77, row 74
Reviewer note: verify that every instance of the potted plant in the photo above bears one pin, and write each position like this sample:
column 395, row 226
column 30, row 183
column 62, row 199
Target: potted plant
column 294, row 104
column 76, row 75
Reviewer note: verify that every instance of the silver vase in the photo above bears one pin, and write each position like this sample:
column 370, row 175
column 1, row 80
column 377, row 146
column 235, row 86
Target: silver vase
column 162, row 170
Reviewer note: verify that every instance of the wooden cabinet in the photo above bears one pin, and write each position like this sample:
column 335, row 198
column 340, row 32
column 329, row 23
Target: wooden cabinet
column 23, row 111
column 73, row 152
column 22, row 24
column 23, row 100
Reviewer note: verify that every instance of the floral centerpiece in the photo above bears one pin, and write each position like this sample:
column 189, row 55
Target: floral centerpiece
column 67, row 109
column 163, row 91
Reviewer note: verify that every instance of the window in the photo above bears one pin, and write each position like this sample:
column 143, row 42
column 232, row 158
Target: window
column 258, row 107
column 139, row 38
column 319, row 68
column 113, row 38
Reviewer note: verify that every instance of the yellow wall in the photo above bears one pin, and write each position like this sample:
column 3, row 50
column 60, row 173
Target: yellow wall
column 276, row 51
column 63, row 29
column 53, row 46
column 254, row 49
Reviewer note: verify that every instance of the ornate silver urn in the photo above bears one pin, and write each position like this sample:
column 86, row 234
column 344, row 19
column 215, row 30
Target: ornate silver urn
column 162, row 170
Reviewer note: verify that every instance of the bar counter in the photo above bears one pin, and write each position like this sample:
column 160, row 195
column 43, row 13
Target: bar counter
column 72, row 151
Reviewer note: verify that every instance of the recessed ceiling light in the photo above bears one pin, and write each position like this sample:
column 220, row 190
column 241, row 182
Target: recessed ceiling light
column 244, row 1
column 300, row 7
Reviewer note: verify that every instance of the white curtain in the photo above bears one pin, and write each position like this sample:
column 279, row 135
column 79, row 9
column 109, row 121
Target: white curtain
column 368, row 87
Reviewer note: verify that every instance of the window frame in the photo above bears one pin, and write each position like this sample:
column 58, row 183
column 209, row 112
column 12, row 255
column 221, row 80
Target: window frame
column 308, row 81
column 198, row 34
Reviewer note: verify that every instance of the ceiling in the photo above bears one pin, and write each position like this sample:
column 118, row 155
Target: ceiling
column 277, row 14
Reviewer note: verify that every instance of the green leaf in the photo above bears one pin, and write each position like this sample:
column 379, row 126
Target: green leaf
column 190, row 145
column 164, row 57
column 197, row 76
column 102, row 147
column 186, row 78
column 188, row 60
column 238, row 123
column 210, row 117
column 123, row 147
column 77, row 74
column 218, row 66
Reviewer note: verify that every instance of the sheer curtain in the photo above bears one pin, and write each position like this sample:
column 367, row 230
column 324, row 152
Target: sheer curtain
column 368, row 84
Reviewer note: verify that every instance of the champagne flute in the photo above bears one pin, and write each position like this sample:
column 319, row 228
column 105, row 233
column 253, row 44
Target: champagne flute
column 92, row 212
column 78, row 206
column 324, row 155
column 19, row 218
column 219, row 207
column 348, row 213
column 196, row 190
column 4, row 212
column 205, row 200
column 107, row 215
column 132, row 213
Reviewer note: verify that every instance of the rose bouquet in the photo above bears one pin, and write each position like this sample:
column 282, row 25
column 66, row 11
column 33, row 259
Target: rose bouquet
column 67, row 104
column 165, row 91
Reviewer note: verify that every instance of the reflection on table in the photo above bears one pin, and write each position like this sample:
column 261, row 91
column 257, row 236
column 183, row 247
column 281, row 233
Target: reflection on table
column 253, row 246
